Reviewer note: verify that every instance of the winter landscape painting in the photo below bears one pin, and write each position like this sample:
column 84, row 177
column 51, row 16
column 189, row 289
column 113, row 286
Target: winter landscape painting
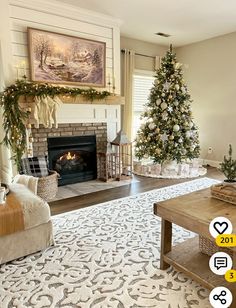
column 59, row 58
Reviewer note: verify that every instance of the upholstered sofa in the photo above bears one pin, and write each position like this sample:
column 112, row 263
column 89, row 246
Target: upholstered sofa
column 38, row 232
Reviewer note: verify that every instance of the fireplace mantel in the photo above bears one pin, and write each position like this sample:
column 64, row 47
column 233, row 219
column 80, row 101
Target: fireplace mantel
column 109, row 100
column 79, row 99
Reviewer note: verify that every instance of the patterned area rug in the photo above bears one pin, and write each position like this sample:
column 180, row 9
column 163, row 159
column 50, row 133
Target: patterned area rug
column 106, row 256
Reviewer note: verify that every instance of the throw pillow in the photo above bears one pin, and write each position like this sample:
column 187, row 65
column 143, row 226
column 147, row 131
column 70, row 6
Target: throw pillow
column 35, row 166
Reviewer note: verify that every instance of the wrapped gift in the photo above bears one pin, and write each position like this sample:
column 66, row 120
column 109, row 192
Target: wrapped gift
column 183, row 170
column 169, row 168
column 193, row 171
column 144, row 170
column 155, row 169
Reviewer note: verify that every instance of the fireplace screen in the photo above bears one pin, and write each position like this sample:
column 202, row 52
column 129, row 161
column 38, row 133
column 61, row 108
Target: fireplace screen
column 74, row 158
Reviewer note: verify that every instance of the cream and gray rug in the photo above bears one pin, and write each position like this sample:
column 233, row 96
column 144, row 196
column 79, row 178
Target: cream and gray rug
column 106, row 256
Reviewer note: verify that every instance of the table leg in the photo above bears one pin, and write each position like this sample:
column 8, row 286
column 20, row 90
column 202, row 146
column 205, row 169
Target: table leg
column 166, row 240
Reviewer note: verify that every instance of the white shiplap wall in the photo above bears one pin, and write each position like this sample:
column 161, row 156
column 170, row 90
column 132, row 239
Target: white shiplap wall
column 57, row 17
column 54, row 16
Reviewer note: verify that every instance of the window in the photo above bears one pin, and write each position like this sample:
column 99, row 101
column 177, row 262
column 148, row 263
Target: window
column 142, row 84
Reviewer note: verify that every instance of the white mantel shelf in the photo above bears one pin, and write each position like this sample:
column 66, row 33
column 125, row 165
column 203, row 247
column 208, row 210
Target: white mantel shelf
column 109, row 100
column 79, row 99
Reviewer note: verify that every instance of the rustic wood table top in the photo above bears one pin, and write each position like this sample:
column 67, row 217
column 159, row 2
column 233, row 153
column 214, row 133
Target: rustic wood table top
column 194, row 212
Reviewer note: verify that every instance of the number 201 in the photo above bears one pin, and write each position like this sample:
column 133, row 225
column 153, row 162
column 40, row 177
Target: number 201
column 227, row 240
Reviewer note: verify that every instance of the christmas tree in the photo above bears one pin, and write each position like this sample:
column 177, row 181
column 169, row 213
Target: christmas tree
column 168, row 132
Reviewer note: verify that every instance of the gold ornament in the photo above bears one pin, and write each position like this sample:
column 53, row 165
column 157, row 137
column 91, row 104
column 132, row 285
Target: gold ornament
column 29, row 152
column 28, row 125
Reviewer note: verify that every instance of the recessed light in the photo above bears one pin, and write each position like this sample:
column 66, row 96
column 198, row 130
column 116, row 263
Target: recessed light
column 162, row 34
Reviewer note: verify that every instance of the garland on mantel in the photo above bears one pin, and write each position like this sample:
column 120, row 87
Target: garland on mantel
column 14, row 117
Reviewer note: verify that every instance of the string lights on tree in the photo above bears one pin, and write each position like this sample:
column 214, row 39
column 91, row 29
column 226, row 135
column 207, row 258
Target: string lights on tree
column 168, row 132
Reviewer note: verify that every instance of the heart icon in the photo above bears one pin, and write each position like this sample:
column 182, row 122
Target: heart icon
column 220, row 227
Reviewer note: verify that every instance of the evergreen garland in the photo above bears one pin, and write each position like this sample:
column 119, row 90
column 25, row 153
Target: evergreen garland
column 14, row 117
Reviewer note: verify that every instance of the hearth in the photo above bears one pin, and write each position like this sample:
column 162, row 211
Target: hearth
column 73, row 157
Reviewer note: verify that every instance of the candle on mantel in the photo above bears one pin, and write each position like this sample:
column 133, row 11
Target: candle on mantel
column 23, row 66
column 109, row 83
column 113, row 84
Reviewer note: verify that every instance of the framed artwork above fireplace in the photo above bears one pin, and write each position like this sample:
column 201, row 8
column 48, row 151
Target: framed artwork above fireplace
column 65, row 59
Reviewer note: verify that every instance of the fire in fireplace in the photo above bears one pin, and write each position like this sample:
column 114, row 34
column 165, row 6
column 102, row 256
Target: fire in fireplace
column 74, row 158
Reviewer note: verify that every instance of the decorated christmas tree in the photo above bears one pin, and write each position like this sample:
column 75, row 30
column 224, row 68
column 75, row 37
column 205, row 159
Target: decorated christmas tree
column 168, row 132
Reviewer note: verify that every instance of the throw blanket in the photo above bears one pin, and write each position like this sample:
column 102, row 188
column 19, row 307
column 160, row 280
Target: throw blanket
column 11, row 216
column 29, row 181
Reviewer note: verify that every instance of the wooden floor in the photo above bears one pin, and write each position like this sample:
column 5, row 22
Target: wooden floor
column 144, row 184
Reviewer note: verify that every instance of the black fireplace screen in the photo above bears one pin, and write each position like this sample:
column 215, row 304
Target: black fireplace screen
column 74, row 158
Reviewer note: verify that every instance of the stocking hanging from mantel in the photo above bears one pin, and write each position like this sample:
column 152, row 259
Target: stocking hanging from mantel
column 45, row 111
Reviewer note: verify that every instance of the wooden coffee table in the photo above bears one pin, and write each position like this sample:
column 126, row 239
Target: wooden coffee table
column 194, row 212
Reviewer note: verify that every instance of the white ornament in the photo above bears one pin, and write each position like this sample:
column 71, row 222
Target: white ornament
column 188, row 134
column 180, row 140
column 158, row 101
column 176, row 103
column 163, row 106
column 176, row 128
column 178, row 65
column 164, row 115
column 163, row 94
column 177, row 87
column 151, row 126
column 166, row 86
column 164, row 137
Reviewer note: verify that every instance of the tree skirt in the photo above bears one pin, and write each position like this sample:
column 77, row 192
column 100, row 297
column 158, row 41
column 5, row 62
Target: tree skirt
column 105, row 255
column 169, row 170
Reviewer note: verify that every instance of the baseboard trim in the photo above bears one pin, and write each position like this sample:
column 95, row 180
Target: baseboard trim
column 212, row 163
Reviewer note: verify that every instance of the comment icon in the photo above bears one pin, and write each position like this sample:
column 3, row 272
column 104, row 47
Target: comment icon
column 220, row 263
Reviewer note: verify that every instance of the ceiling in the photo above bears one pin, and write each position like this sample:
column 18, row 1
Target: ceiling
column 187, row 21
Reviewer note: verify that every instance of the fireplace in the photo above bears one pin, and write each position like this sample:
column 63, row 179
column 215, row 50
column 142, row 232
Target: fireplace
column 73, row 157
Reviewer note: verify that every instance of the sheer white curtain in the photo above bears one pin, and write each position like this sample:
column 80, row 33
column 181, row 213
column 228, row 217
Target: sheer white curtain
column 5, row 161
column 128, row 70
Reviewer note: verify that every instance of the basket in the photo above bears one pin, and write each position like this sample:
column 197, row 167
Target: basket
column 209, row 247
column 225, row 192
column 48, row 186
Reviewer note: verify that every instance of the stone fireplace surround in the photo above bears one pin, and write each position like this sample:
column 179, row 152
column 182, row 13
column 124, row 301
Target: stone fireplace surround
column 41, row 134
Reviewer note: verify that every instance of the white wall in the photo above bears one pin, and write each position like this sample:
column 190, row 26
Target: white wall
column 143, row 63
column 76, row 113
column 57, row 17
column 211, row 78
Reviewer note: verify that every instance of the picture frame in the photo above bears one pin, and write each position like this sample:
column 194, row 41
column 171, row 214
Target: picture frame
column 64, row 59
